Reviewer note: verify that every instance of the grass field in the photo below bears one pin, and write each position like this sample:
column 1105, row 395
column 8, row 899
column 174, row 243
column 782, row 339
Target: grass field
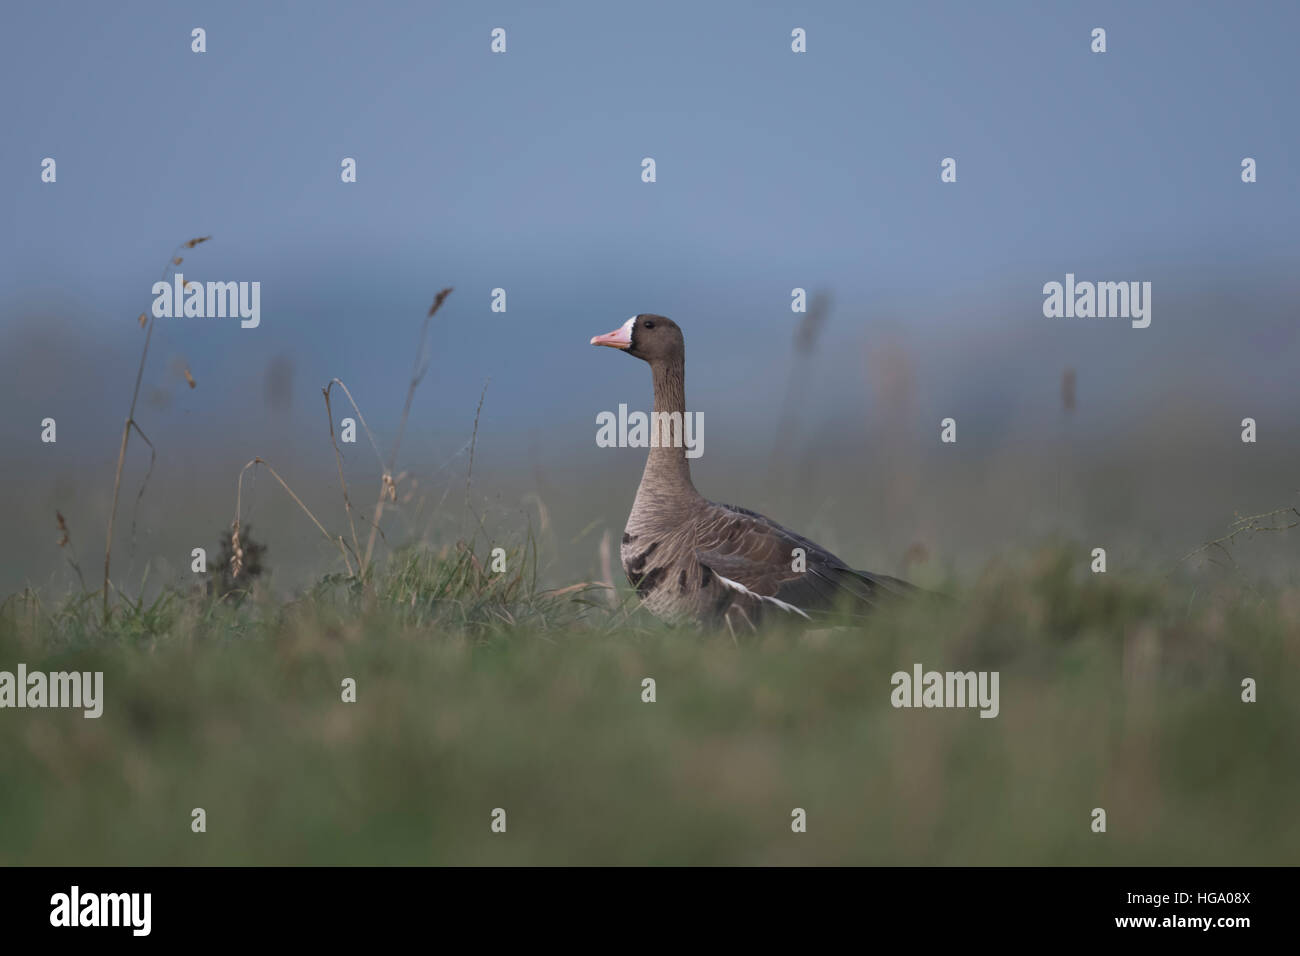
column 475, row 691
column 478, row 691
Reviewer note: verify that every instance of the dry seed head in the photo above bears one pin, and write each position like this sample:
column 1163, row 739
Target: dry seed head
column 63, row 527
column 189, row 378
column 236, row 552
column 194, row 242
column 177, row 261
column 438, row 300
column 143, row 319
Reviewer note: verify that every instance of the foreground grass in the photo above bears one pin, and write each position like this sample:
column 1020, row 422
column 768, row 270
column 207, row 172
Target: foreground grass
column 476, row 692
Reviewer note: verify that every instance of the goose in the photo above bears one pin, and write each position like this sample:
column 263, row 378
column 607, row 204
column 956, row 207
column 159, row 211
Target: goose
column 692, row 559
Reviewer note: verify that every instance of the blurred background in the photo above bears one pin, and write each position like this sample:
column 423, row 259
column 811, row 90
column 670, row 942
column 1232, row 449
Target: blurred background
column 774, row 171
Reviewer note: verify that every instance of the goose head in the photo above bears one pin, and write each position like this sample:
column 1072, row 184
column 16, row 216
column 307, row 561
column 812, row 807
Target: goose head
column 652, row 338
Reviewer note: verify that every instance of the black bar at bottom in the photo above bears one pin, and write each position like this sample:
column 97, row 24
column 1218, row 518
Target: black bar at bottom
column 333, row 905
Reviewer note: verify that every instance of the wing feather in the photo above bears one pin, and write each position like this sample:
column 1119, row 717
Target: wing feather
column 756, row 554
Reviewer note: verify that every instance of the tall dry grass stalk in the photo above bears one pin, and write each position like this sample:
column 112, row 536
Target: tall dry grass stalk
column 802, row 345
column 237, row 551
column 65, row 541
column 147, row 322
column 338, row 457
column 895, row 384
column 1069, row 400
column 607, row 569
column 473, row 443
column 1279, row 519
column 387, row 487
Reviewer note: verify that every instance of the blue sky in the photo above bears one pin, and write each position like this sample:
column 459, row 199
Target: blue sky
column 522, row 171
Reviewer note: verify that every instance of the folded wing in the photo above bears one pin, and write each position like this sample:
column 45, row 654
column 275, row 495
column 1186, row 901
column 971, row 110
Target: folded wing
column 754, row 555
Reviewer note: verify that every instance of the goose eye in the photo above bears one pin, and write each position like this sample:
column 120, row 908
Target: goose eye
column 647, row 324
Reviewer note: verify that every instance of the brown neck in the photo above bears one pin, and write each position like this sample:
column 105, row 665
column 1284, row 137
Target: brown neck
column 667, row 469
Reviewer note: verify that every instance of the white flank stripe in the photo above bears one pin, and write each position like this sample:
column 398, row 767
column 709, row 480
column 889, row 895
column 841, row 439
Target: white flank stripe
column 762, row 597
